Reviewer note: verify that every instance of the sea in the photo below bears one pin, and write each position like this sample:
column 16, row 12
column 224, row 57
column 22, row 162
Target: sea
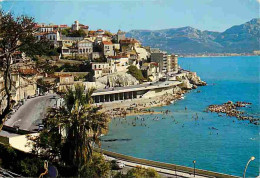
column 217, row 143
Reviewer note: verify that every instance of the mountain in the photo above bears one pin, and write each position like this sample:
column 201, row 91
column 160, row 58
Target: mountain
column 237, row 39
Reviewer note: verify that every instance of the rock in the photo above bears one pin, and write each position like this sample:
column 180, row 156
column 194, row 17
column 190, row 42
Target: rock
column 186, row 85
column 119, row 79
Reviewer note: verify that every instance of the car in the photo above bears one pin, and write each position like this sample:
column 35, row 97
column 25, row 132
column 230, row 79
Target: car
column 40, row 127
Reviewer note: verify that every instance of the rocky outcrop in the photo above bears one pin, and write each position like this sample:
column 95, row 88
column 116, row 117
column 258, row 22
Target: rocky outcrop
column 190, row 81
column 195, row 80
column 119, row 79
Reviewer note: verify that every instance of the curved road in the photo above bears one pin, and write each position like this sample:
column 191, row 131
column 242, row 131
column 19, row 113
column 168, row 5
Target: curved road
column 30, row 115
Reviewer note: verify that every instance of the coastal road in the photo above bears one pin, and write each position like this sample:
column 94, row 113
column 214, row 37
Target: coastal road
column 30, row 115
column 162, row 171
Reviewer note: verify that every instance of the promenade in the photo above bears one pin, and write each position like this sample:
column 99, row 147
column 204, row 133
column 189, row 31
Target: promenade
column 165, row 169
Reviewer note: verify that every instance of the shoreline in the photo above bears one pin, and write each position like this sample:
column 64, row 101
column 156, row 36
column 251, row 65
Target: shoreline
column 218, row 56
column 142, row 106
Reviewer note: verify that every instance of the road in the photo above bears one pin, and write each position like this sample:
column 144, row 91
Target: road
column 163, row 172
column 30, row 115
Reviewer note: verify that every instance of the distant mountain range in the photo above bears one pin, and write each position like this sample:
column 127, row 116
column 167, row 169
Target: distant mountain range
column 187, row 40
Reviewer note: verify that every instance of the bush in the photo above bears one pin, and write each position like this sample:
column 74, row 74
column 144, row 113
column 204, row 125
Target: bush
column 135, row 72
column 19, row 162
column 97, row 167
column 138, row 172
column 30, row 167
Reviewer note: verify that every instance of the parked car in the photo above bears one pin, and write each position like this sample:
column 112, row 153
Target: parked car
column 40, row 127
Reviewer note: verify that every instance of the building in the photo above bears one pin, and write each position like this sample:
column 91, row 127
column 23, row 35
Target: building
column 53, row 36
column 75, row 26
column 150, row 70
column 25, row 84
column 65, row 81
column 172, row 63
column 118, row 63
column 160, row 57
column 69, row 41
column 76, row 45
column 128, row 44
column 100, row 33
column 120, row 36
column 85, row 47
column 107, row 48
column 142, row 54
column 96, row 55
column 101, row 69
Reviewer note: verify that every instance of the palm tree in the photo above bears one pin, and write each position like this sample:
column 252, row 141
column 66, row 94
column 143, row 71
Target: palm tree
column 78, row 123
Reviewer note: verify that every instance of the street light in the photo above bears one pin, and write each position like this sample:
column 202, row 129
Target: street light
column 251, row 159
column 194, row 167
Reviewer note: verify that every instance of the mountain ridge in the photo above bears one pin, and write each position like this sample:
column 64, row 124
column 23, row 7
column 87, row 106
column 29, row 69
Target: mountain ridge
column 242, row 38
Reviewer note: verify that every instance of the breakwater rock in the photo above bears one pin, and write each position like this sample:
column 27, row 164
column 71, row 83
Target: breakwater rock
column 231, row 109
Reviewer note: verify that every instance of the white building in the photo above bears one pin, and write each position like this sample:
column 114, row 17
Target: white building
column 85, row 47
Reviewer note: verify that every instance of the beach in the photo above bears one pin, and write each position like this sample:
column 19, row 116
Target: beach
column 222, row 144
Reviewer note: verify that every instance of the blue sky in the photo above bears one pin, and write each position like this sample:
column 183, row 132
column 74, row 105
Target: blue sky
column 215, row 15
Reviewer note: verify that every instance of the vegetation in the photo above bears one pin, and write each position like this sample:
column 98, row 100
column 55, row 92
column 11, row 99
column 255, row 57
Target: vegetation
column 70, row 133
column 108, row 33
column 54, row 52
column 84, row 67
column 135, row 72
column 73, row 33
column 138, row 172
column 20, row 162
column 65, row 31
column 16, row 34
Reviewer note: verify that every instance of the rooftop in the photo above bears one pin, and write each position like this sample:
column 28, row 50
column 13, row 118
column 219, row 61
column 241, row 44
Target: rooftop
column 107, row 42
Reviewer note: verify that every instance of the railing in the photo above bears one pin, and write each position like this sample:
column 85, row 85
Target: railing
column 167, row 166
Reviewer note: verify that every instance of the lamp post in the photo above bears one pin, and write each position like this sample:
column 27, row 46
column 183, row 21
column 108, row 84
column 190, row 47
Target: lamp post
column 251, row 159
column 194, row 167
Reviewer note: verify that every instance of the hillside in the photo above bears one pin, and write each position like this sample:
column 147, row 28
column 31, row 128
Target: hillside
column 239, row 39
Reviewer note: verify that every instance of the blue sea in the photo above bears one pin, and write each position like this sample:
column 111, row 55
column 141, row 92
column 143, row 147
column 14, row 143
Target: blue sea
column 220, row 144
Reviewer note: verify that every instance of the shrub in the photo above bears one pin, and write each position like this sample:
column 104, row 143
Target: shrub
column 135, row 72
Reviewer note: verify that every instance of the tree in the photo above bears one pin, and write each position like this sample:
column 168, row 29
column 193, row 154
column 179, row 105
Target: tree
column 97, row 167
column 65, row 31
column 71, row 131
column 138, row 172
column 77, row 33
column 135, row 72
column 16, row 34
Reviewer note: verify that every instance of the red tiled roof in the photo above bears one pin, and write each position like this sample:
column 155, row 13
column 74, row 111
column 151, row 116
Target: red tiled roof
column 99, row 30
column 28, row 71
column 107, row 42
column 128, row 41
column 63, row 25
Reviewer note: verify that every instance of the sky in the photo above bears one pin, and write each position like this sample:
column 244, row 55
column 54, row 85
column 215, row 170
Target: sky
column 213, row 15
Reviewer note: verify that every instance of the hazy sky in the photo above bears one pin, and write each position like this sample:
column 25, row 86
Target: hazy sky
column 215, row 15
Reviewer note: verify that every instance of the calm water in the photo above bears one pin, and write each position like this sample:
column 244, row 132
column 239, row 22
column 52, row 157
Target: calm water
column 180, row 139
